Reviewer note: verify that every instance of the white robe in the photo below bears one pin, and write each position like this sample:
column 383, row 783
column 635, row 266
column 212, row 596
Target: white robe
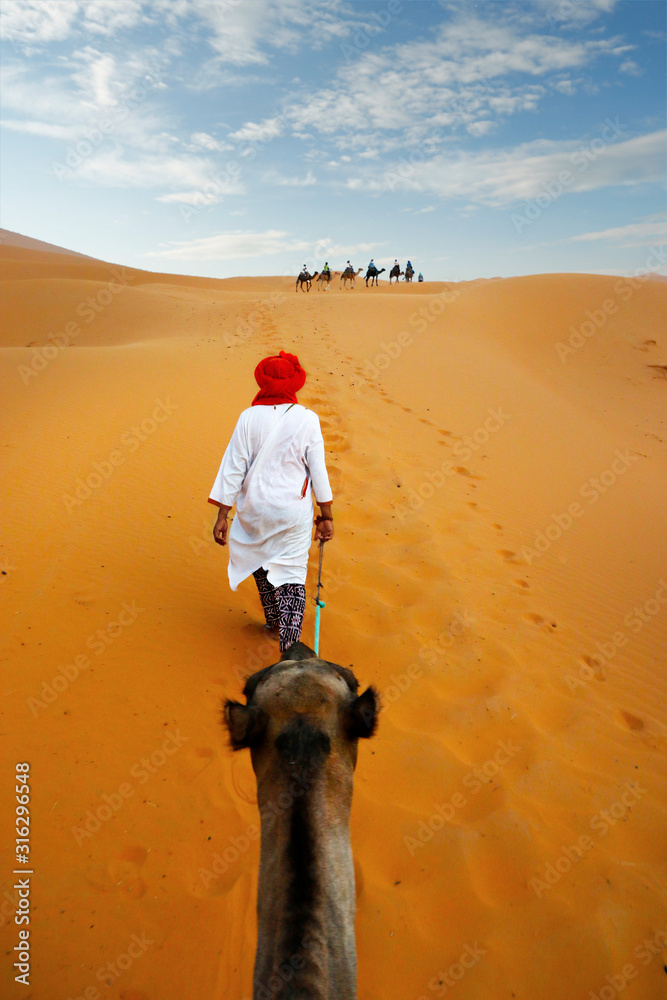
column 274, row 505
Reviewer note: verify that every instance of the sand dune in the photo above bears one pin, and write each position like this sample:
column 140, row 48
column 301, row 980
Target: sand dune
column 496, row 451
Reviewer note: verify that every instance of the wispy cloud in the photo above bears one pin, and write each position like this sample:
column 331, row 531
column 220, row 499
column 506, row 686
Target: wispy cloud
column 238, row 244
column 244, row 33
column 66, row 133
column 232, row 245
column 471, row 74
column 502, row 178
column 272, row 177
column 30, row 23
column 638, row 234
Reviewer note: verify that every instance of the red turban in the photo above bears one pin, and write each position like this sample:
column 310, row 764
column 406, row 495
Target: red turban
column 279, row 379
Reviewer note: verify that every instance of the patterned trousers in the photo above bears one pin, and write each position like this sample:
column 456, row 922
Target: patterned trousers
column 284, row 607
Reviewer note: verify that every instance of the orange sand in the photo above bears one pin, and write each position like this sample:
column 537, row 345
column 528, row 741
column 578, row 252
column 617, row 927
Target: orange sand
column 523, row 693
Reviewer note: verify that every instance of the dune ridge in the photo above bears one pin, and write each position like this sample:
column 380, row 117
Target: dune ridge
column 496, row 451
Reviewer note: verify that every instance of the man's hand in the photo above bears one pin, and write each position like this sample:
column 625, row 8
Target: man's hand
column 221, row 525
column 324, row 531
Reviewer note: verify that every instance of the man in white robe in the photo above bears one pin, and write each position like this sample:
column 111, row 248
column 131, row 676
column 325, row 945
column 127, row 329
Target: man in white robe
column 272, row 465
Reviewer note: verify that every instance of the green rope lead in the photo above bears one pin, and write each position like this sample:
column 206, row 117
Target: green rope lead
column 320, row 604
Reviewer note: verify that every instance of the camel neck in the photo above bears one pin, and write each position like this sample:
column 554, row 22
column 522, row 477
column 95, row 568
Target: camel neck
column 306, row 895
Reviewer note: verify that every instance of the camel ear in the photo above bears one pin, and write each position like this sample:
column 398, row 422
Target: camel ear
column 362, row 715
column 245, row 724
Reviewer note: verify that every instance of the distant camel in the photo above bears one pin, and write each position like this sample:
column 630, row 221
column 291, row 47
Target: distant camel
column 395, row 273
column 349, row 274
column 372, row 273
column 325, row 279
column 304, row 279
column 409, row 273
column 302, row 722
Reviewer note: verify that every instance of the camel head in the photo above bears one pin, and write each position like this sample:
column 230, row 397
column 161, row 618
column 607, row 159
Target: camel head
column 302, row 719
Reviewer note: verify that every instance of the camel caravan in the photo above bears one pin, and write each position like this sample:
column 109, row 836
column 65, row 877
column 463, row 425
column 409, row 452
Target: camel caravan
column 302, row 722
column 348, row 276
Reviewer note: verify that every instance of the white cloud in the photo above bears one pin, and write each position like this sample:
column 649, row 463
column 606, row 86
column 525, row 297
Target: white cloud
column 638, row 234
column 502, row 178
column 259, row 132
column 37, row 21
column 242, row 32
column 573, row 14
column 30, row 23
column 630, row 66
column 102, row 101
column 566, row 86
column 97, row 77
column 203, row 140
column 105, row 17
column 481, row 128
column 66, row 133
column 232, row 245
column 114, row 168
column 189, row 198
column 271, row 177
column 468, row 74
column 238, row 244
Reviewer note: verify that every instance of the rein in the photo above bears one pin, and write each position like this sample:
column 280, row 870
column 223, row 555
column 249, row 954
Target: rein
column 320, row 604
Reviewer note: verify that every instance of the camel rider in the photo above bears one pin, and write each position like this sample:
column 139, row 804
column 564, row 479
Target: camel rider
column 372, row 266
column 409, row 267
column 421, row 277
column 326, row 269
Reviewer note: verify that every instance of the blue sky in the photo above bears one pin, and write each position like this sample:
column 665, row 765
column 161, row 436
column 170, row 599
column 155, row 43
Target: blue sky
column 226, row 137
